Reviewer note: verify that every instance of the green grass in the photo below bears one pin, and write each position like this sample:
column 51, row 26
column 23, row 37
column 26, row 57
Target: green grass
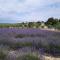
column 21, row 44
column 28, row 57
column 2, row 55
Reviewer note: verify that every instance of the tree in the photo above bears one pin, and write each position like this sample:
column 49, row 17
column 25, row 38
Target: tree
column 30, row 24
column 59, row 20
column 51, row 22
column 38, row 23
column 58, row 25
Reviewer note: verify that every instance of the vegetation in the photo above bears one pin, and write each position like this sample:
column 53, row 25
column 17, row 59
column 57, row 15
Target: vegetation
column 57, row 26
column 21, row 45
column 2, row 55
column 21, row 25
column 16, row 44
column 28, row 57
column 50, row 23
column 53, row 23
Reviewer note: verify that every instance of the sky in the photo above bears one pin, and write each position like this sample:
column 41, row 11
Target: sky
column 14, row 11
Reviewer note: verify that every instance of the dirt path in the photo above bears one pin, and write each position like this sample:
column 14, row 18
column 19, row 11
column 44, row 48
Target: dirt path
column 51, row 58
column 54, row 30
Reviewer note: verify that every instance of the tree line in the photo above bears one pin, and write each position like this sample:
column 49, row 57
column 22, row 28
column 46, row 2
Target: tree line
column 53, row 23
column 50, row 23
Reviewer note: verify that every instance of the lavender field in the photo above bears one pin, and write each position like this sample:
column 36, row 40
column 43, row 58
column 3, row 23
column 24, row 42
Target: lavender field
column 28, row 44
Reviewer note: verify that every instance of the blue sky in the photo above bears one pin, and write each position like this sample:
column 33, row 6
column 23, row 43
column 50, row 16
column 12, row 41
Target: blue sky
column 12, row 11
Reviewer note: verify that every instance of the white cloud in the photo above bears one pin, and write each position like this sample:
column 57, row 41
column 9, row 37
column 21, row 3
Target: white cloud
column 28, row 9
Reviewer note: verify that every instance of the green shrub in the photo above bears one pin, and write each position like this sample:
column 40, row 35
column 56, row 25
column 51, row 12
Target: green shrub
column 57, row 26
